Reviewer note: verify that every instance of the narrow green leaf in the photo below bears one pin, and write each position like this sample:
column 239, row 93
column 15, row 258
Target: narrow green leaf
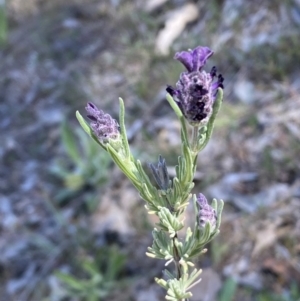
column 123, row 128
column 115, row 264
column 219, row 213
column 189, row 166
column 174, row 105
column 182, row 169
column 90, row 267
column 86, row 127
column 70, row 281
column 228, row 290
column 184, row 132
column 3, row 23
column 179, row 114
column 143, row 175
column 124, row 167
column 147, row 196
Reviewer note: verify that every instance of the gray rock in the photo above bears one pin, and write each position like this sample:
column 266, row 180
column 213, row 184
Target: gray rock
column 225, row 190
column 208, row 288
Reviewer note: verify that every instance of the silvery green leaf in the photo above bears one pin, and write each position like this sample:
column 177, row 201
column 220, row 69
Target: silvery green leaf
column 151, row 207
column 181, row 207
column 205, row 233
column 198, row 241
column 125, row 165
column 193, row 278
column 152, row 197
column 174, row 194
column 163, row 283
column 169, row 222
column 143, row 176
column 177, row 289
column 188, row 243
column 188, row 158
column 168, row 274
column 219, row 213
column 214, row 204
column 123, row 129
column 173, row 104
column 162, row 247
column 182, row 169
column 145, row 194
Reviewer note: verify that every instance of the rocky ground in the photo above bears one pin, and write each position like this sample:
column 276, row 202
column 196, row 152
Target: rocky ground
column 58, row 213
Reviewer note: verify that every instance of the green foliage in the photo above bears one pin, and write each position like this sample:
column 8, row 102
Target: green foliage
column 293, row 294
column 278, row 60
column 86, row 166
column 3, row 23
column 100, row 276
column 177, row 289
column 219, row 249
column 268, row 163
column 228, row 290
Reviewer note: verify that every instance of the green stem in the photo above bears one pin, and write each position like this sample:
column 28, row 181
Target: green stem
column 184, row 131
column 176, row 258
column 195, row 138
column 174, row 105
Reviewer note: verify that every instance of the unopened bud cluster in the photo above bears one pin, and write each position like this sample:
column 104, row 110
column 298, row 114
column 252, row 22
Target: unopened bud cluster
column 103, row 125
column 206, row 214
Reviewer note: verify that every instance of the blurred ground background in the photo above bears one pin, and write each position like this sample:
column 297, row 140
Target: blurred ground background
column 71, row 226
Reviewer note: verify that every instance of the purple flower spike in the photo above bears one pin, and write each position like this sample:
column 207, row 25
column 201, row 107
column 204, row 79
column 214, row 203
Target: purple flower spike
column 206, row 214
column 103, row 125
column 196, row 90
column 194, row 60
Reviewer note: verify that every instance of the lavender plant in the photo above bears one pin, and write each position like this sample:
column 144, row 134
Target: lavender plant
column 196, row 100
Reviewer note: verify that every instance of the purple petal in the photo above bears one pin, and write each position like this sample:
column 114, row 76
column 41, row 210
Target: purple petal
column 220, row 79
column 194, row 60
column 218, row 84
column 201, row 200
column 91, row 109
column 90, row 104
column 213, row 71
column 200, row 56
column 186, row 58
column 215, row 86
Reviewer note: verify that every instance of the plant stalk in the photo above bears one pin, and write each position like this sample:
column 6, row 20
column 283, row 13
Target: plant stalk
column 195, row 138
column 176, row 260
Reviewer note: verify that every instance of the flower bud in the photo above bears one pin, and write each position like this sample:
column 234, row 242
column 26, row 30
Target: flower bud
column 103, row 125
column 206, row 213
column 196, row 90
column 160, row 173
